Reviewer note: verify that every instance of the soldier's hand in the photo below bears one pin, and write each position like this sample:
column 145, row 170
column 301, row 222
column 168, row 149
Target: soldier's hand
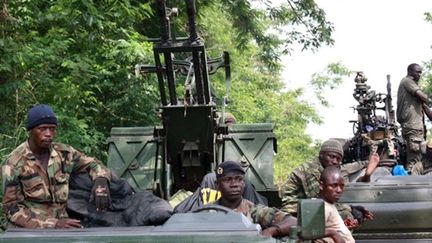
column 101, row 194
column 365, row 214
column 67, row 223
column 337, row 238
column 351, row 223
column 271, row 231
column 372, row 164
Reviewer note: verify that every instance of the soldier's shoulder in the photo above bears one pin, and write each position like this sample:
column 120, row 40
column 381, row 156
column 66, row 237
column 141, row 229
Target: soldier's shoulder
column 17, row 155
column 62, row 147
column 307, row 166
column 310, row 167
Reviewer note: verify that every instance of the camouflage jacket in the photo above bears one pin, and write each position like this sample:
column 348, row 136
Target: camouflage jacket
column 35, row 198
column 260, row 214
column 303, row 183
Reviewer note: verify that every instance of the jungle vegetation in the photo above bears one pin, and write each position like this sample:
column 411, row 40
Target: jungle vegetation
column 79, row 57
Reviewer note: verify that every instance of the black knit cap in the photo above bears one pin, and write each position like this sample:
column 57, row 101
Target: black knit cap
column 227, row 167
column 40, row 114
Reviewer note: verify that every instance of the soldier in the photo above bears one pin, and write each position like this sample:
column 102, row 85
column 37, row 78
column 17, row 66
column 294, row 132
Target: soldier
column 36, row 176
column 303, row 182
column 411, row 105
column 231, row 182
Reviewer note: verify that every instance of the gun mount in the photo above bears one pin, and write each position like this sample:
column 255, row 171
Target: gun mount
column 375, row 128
column 193, row 138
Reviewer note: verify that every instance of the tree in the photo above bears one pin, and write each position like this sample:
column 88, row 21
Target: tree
column 81, row 54
column 78, row 54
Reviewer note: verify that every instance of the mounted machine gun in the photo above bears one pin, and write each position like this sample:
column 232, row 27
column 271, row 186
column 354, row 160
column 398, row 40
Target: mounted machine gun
column 373, row 131
column 193, row 138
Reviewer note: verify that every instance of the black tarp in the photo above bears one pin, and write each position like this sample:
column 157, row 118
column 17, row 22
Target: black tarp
column 128, row 208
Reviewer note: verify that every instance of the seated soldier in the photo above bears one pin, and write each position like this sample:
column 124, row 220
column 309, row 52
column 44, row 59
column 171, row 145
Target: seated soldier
column 231, row 183
column 207, row 193
column 303, row 182
column 36, row 176
column 331, row 186
column 41, row 179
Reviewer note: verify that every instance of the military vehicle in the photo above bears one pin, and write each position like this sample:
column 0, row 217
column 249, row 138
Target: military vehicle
column 194, row 137
column 192, row 140
column 402, row 205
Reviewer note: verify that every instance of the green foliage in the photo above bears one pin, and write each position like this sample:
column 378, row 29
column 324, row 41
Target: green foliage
column 256, row 94
column 330, row 78
column 276, row 27
column 75, row 56
column 79, row 57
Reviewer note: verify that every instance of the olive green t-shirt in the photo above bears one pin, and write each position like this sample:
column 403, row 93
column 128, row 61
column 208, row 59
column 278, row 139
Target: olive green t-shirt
column 409, row 108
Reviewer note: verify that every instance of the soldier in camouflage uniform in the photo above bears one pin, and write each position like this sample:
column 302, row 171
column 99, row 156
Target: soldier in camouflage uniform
column 411, row 106
column 303, row 182
column 36, row 176
column 230, row 183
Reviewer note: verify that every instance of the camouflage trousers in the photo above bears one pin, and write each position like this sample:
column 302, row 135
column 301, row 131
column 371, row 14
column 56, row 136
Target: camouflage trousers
column 423, row 167
column 413, row 139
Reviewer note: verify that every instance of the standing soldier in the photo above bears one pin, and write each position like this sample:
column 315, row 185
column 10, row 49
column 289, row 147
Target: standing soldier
column 411, row 106
column 36, row 176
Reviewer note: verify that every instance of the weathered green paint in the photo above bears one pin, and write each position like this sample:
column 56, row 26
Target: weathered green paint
column 254, row 146
column 127, row 235
column 222, row 225
column 402, row 206
column 189, row 137
column 138, row 154
column 311, row 219
column 132, row 156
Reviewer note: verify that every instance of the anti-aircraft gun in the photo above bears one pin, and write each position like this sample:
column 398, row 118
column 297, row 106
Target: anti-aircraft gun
column 375, row 128
column 193, row 138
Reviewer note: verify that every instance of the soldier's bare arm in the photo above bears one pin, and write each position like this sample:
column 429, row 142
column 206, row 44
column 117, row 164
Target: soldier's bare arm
column 336, row 237
column 421, row 96
column 427, row 110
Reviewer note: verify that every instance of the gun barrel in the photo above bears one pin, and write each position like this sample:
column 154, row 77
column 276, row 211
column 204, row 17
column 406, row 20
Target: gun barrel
column 164, row 24
column 191, row 12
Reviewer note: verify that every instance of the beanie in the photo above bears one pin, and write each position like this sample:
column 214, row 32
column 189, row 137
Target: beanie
column 40, row 114
column 227, row 167
column 332, row 145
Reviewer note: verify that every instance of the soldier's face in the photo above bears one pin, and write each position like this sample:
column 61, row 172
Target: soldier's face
column 416, row 72
column 330, row 158
column 43, row 135
column 231, row 186
column 332, row 188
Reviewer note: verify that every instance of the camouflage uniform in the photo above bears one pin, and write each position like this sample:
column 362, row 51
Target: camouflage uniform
column 260, row 214
column 35, row 198
column 410, row 116
column 303, row 183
